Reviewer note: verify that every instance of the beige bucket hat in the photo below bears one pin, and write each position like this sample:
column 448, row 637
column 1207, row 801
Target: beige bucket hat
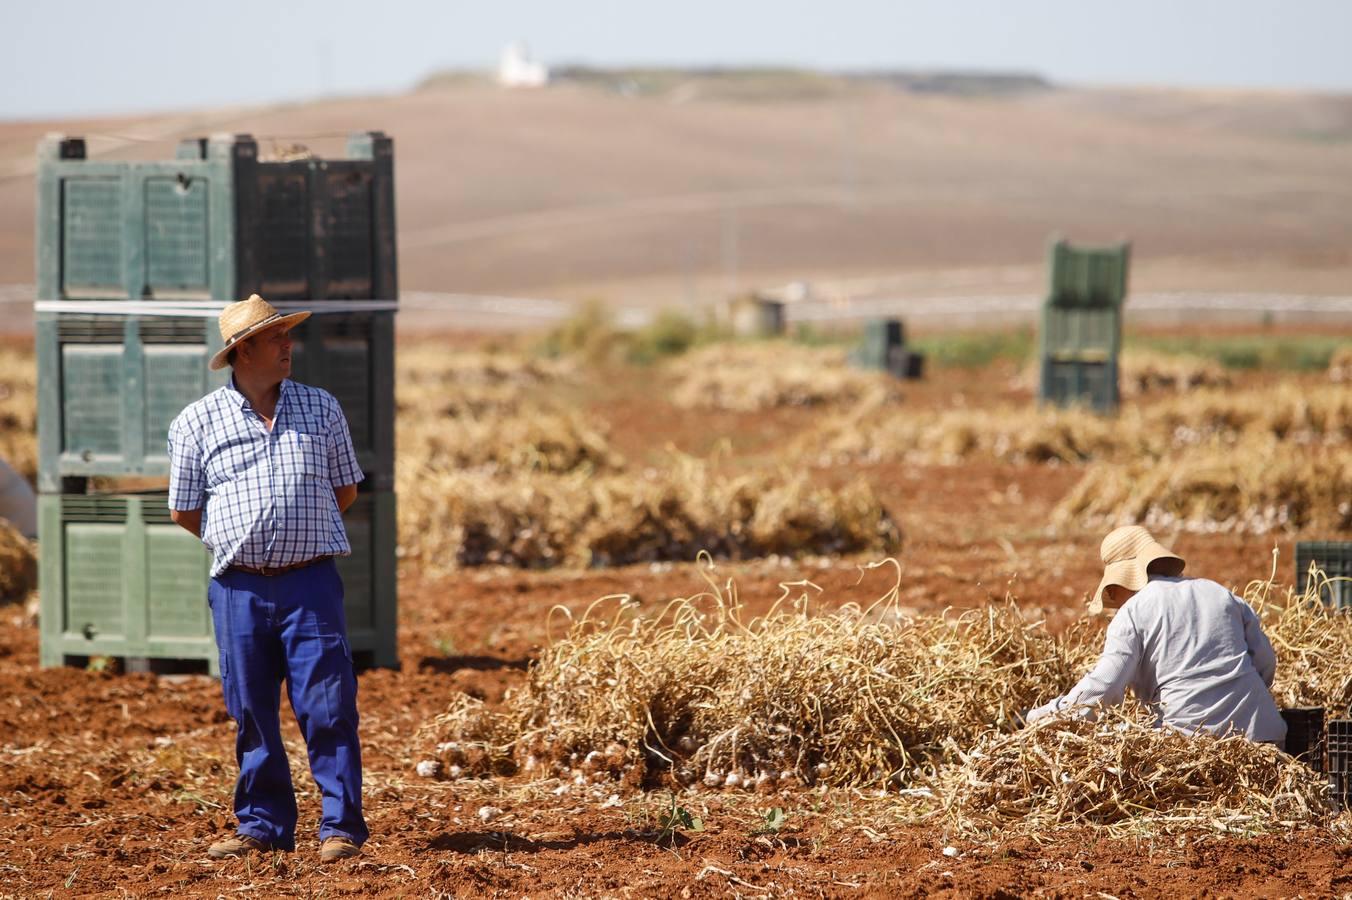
column 1127, row 553
column 242, row 320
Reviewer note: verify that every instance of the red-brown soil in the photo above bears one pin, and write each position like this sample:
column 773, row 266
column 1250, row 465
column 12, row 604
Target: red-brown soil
column 115, row 784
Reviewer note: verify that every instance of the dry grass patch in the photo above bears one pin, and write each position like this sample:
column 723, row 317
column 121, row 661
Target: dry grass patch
column 1253, row 487
column 18, row 564
column 697, row 693
column 1313, row 644
column 490, row 412
column 1143, row 372
column 871, row 432
column 1340, row 364
column 771, row 375
column 1120, row 772
column 19, row 410
column 449, row 519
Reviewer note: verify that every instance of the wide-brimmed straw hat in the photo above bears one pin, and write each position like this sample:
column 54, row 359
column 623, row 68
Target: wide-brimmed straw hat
column 242, row 320
column 1127, row 554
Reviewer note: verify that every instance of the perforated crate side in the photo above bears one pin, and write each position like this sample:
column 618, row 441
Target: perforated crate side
column 1334, row 559
column 1339, row 746
column 108, row 387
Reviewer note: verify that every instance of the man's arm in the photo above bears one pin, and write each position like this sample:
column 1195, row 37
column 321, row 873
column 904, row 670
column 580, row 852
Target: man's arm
column 1260, row 648
column 187, row 480
column 344, row 471
column 345, row 494
column 191, row 519
column 1108, row 681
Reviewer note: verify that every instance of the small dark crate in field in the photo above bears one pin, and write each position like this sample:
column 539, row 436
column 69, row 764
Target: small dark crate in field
column 1334, row 559
column 1305, row 735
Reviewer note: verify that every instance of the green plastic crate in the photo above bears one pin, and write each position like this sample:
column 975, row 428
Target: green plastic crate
column 1334, row 559
column 119, row 579
column 879, row 339
column 108, row 387
column 1081, row 335
column 883, row 347
column 216, row 223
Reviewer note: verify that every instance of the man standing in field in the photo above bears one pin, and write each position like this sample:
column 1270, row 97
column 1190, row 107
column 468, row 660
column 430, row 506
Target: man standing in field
column 262, row 470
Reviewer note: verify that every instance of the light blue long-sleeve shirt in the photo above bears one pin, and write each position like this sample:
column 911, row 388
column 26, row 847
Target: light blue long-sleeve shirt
column 1195, row 653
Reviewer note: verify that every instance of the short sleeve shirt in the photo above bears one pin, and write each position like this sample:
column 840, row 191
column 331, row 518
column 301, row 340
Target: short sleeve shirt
column 266, row 497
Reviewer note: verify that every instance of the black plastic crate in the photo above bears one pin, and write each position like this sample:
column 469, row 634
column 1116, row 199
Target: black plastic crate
column 1305, row 735
column 1339, row 786
column 1334, row 559
column 1339, row 747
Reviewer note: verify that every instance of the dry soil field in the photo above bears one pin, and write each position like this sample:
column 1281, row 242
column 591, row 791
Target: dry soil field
column 530, row 483
column 578, row 192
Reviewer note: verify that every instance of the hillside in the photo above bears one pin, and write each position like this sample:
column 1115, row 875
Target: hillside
column 688, row 191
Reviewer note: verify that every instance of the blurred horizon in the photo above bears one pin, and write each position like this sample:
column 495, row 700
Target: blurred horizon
column 90, row 59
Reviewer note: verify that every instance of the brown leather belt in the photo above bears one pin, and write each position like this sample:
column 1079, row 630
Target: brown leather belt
column 271, row 571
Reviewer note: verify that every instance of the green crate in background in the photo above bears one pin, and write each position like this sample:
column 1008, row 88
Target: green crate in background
column 882, row 346
column 108, row 387
column 1081, row 330
column 216, row 223
column 119, row 579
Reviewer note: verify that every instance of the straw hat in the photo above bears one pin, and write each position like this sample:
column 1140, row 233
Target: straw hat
column 1127, row 553
column 242, row 320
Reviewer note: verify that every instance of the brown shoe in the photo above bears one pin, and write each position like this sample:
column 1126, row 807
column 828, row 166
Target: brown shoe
column 336, row 847
column 237, row 845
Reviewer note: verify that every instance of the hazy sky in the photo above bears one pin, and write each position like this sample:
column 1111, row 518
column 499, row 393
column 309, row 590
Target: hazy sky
column 107, row 56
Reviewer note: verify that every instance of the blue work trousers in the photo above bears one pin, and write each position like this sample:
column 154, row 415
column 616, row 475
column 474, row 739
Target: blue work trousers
column 289, row 628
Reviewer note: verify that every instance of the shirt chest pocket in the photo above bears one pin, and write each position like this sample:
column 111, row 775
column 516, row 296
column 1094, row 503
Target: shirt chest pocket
column 304, row 454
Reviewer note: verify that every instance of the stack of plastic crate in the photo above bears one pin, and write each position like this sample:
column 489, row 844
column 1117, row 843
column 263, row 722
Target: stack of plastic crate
column 1081, row 333
column 883, row 347
column 135, row 259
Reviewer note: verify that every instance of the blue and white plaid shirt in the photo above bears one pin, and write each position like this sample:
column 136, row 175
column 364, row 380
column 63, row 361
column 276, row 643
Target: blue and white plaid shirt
column 268, row 495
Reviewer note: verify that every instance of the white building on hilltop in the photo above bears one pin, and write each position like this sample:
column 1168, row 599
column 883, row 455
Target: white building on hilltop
column 517, row 69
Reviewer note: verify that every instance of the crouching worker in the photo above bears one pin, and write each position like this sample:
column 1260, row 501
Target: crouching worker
column 1187, row 647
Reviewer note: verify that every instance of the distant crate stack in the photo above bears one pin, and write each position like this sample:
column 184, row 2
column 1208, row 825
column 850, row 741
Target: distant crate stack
column 1081, row 329
column 134, row 260
column 883, row 347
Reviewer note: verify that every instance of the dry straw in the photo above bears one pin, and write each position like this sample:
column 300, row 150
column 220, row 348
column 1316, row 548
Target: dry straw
column 450, row 519
column 1340, row 364
column 18, row 564
column 1118, row 770
column 1254, row 487
column 870, row 432
column 491, row 471
column 697, row 692
column 19, row 411
column 1313, row 643
column 1143, row 372
column 771, row 375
